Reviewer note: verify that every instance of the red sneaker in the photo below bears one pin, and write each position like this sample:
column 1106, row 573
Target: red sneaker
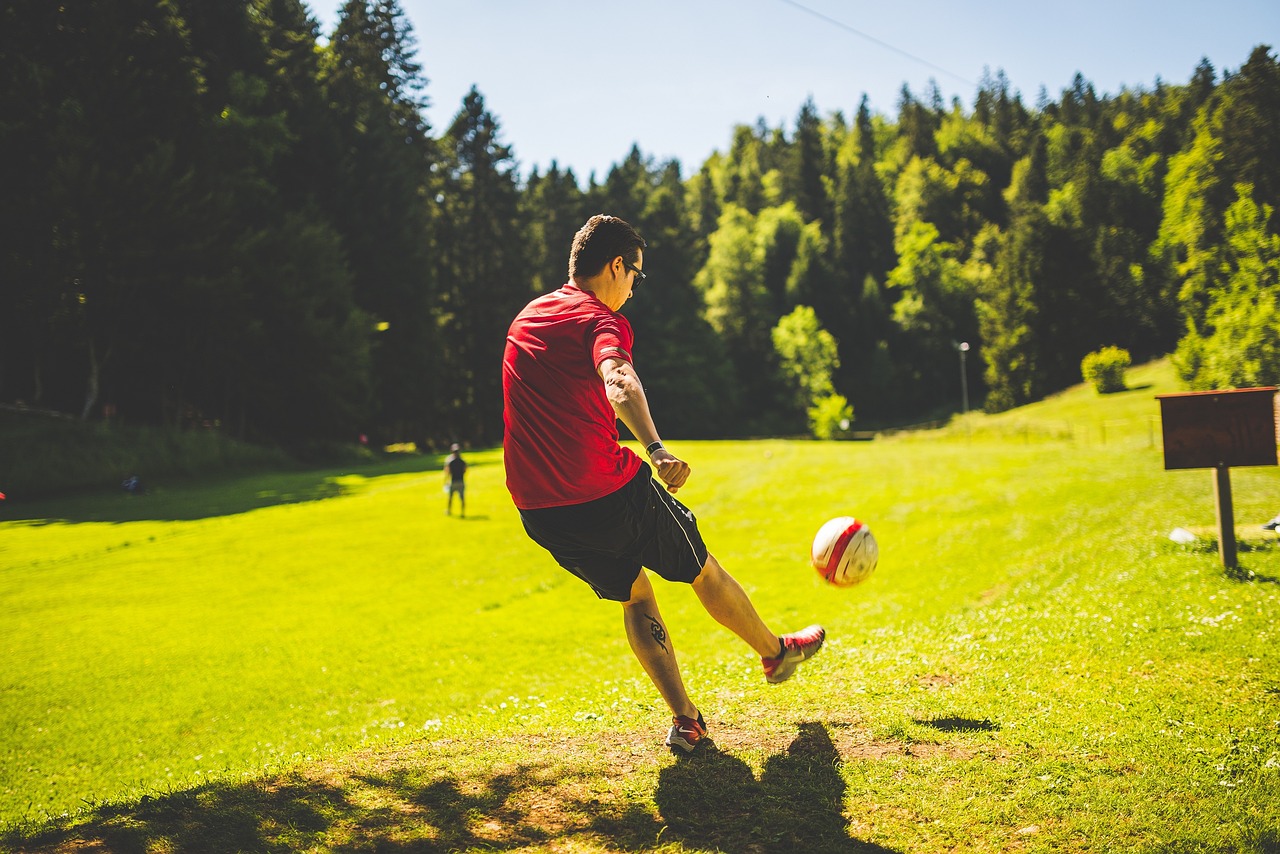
column 686, row 733
column 796, row 647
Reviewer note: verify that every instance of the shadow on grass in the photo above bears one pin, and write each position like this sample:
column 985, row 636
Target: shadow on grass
column 1242, row 573
column 954, row 724
column 1207, row 544
column 206, row 498
column 711, row 800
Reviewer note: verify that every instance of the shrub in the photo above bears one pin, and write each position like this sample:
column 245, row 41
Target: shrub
column 44, row 455
column 830, row 416
column 1105, row 369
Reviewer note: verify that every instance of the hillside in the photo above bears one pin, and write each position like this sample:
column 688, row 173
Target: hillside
column 1033, row 666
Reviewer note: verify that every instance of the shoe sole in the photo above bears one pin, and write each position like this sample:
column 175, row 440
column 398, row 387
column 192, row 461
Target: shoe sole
column 676, row 742
column 783, row 673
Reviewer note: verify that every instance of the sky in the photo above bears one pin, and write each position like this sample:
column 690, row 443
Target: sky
column 579, row 83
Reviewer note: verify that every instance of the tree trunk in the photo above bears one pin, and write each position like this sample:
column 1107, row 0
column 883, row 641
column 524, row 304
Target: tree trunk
column 95, row 375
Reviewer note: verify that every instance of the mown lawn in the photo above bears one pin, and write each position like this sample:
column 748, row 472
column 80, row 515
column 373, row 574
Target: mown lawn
column 327, row 662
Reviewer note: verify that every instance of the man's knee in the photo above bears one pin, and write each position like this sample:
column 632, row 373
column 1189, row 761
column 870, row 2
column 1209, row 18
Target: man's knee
column 711, row 572
column 641, row 591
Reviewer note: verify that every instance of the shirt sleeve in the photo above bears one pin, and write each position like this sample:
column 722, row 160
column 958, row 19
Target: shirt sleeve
column 610, row 338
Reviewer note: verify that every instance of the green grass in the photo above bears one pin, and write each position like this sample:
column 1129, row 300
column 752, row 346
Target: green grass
column 1034, row 666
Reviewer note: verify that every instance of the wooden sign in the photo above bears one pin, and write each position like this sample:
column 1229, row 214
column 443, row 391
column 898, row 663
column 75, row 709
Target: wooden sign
column 1216, row 429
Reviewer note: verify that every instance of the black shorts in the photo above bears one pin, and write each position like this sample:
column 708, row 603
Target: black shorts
column 605, row 542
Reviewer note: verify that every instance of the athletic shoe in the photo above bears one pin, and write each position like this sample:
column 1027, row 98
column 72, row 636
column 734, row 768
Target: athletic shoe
column 1272, row 525
column 686, row 733
column 796, row 647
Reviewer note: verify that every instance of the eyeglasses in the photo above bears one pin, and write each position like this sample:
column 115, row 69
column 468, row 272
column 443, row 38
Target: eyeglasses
column 640, row 276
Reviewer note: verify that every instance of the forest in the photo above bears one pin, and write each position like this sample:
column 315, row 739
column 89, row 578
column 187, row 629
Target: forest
column 216, row 216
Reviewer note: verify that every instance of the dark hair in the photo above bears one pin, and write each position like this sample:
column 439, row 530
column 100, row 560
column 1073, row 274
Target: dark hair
column 599, row 241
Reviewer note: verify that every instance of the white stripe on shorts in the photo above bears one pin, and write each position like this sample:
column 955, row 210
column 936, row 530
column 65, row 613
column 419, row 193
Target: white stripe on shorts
column 662, row 499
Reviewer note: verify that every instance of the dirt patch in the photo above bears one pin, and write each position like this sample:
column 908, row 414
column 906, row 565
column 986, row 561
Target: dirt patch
column 933, row 681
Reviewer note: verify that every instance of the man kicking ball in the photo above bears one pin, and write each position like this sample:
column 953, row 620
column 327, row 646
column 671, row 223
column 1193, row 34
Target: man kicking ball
column 567, row 378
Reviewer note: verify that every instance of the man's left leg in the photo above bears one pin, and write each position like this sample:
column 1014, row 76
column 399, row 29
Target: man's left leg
column 652, row 646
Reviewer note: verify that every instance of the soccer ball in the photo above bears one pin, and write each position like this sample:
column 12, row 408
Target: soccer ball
column 845, row 551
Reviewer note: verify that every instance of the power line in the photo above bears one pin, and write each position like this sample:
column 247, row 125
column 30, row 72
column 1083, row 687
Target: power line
column 842, row 25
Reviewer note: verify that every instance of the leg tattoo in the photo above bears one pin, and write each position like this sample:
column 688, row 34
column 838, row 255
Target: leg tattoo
column 658, row 632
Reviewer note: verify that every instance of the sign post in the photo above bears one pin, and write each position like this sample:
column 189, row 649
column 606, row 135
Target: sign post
column 1218, row 430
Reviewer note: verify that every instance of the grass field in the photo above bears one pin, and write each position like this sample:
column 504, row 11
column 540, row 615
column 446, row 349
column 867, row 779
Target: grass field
column 325, row 661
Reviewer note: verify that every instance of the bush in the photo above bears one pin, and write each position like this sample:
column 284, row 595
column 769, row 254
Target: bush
column 830, row 416
column 1105, row 369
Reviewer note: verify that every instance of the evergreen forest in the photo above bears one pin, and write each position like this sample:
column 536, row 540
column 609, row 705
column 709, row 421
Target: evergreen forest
column 216, row 215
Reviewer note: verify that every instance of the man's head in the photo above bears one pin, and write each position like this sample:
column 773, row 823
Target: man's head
column 599, row 242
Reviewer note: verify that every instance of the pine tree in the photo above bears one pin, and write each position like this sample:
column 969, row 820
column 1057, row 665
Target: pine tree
column 481, row 267
column 554, row 207
column 106, row 161
column 809, row 190
column 380, row 205
column 687, row 378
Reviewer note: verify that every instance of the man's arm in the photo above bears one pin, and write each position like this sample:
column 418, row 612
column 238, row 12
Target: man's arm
column 626, row 395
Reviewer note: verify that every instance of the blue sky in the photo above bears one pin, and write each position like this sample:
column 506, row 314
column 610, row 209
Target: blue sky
column 580, row 82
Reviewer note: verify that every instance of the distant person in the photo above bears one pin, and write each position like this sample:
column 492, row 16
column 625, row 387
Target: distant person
column 132, row 485
column 455, row 481
column 567, row 378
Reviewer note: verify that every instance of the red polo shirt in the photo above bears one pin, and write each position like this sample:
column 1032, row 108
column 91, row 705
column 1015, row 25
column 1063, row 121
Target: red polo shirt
column 561, row 444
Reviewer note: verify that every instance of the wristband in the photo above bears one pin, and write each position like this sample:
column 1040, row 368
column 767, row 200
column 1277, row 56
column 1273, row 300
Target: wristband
column 653, row 447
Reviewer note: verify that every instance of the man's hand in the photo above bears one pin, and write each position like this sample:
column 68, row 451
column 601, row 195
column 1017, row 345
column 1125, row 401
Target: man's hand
column 671, row 470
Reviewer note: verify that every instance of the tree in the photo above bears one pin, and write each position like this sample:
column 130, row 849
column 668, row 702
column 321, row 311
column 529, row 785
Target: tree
column 808, row 187
column 1234, row 143
column 860, row 256
column 742, row 312
column 917, row 124
column 292, row 71
column 1008, row 309
column 742, row 183
column 554, row 207
column 102, row 219
column 379, row 204
column 808, row 356
column 481, row 268
column 688, row 379
column 1238, row 344
column 1247, row 122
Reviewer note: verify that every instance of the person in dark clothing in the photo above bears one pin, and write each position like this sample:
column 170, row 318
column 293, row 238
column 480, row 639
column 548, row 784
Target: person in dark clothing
column 455, row 481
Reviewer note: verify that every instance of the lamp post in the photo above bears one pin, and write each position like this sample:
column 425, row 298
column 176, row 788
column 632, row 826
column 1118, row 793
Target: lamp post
column 963, row 346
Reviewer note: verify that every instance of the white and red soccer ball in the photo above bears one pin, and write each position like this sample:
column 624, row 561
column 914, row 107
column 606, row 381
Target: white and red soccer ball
column 844, row 551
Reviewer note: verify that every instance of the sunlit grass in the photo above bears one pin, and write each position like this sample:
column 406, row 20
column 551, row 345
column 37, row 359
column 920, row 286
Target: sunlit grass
column 1033, row 664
